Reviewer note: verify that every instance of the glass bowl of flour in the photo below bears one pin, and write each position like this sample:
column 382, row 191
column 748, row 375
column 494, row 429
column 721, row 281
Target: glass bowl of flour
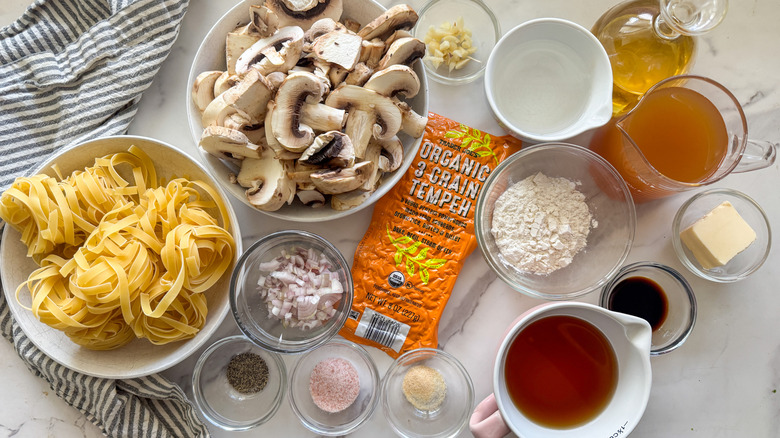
column 555, row 221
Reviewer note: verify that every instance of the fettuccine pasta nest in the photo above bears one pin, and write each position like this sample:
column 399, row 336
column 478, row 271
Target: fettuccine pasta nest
column 119, row 259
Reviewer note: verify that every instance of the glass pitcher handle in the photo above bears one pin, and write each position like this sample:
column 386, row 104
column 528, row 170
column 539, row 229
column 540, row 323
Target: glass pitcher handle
column 758, row 154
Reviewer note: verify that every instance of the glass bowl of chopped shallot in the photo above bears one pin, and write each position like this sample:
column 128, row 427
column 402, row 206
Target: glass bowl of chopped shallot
column 555, row 221
column 459, row 36
column 291, row 291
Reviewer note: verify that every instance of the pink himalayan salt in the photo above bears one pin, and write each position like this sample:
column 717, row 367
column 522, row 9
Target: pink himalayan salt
column 334, row 384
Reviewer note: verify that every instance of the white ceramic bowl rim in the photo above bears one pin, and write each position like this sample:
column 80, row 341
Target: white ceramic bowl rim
column 211, row 56
column 598, row 110
column 124, row 362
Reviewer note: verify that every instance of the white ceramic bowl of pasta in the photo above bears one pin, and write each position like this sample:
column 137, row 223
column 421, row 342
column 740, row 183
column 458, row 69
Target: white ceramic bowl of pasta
column 211, row 56
column 139, row 357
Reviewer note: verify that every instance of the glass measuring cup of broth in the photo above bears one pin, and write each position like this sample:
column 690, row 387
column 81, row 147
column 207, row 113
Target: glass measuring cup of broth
column 685, row 132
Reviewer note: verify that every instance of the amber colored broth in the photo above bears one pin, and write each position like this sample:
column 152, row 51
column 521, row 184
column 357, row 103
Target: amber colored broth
column 560, row 371
column 680, row 132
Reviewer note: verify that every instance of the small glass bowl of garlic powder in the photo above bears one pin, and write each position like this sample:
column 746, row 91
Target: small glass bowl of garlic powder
column 459, row 36
column 427, row 393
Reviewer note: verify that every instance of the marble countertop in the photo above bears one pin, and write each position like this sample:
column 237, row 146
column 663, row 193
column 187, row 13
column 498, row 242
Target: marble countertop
column 722, row 382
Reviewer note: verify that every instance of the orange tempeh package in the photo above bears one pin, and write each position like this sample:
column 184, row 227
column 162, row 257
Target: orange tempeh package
column 421, row 232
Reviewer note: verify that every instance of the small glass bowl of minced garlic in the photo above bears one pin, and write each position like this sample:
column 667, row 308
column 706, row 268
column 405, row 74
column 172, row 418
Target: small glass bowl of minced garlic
column 237, row 385
column 459, row 36
column 427, row 392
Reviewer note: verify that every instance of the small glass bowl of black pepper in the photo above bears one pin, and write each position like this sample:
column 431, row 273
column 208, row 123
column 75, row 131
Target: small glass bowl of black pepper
column 658, row 294
column 427, row 393
column 291, row 291
column 237, row 385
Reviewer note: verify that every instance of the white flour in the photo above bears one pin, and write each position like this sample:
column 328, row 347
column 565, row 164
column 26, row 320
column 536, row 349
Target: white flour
column 540, row 223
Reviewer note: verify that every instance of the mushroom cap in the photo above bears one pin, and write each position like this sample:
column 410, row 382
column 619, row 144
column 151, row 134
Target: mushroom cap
column 226, row 143
column 269, row 188
column 346, row 179
column 295, row 12
column 395, row 18
column 403, row 51
column 338, row 47
column 395, row 80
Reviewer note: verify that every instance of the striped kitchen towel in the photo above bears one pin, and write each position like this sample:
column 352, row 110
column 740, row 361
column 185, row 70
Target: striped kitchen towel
column 71, row 70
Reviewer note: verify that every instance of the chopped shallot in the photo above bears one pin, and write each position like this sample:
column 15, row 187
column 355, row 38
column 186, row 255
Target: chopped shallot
column 299, row 288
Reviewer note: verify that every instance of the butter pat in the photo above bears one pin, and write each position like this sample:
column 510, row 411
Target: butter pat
column 719, row 236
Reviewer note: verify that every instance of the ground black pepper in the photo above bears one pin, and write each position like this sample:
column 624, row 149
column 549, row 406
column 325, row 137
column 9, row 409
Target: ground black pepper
column 247, row 373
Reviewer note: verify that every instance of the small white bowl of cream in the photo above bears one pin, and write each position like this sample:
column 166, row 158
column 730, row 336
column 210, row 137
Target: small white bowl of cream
column 549, row 79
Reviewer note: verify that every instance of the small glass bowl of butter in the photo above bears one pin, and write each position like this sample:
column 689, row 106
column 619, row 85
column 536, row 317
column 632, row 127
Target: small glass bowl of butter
column 721, row 235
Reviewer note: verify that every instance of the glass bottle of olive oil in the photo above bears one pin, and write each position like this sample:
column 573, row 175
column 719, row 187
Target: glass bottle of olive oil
column 651, row 40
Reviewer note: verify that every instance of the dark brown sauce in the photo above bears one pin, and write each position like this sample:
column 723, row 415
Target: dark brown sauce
column 561, row 371
column 641, row 297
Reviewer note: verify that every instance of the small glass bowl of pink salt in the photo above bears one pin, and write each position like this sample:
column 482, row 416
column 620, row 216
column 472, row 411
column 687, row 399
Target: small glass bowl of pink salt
column 334, row 388
column 291, row 291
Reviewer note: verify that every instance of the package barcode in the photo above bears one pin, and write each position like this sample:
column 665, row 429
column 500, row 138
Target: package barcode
column 382, row 330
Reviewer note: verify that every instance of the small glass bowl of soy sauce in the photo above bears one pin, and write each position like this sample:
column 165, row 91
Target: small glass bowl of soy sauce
column 658, row 294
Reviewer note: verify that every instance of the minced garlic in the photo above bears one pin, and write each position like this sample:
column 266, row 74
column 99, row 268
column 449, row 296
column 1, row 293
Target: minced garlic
column 449, row 44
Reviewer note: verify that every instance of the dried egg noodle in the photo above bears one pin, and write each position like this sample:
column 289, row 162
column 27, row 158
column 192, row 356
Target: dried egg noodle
column 119, row 261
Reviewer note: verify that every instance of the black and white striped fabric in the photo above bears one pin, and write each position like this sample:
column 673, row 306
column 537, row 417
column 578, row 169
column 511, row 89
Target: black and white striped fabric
column 71, row 70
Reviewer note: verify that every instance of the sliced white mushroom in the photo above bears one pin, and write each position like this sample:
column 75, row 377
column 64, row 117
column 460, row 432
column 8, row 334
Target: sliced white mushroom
column 359, row 75
column 225, row 82
column 371, row 52
column 400, row 33
column 279, row 151
column 312, row 198
column 411, row 122
column 348, row 200
column 248, row 98
column 331, row 149
column 392, row 154
column 340, row 180
column 403, row 51
column 351, row 24
column 304, row 13
column 394, row 81
column 203, row 89
column 338, row 47
column 279, row 52
column 228, row 144
column 373, row 154
column 297, row 89
column 264, row 21
column 236, row 43
column 395, row 18
column 268, row 187
column 368, row 111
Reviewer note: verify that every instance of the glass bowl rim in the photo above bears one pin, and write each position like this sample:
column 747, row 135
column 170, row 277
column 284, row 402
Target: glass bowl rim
column 689, row 264
column 470, row 77
column 201, row 402
column 263, row 340
column 677, row 276
column 375, row 394
column 579, row 151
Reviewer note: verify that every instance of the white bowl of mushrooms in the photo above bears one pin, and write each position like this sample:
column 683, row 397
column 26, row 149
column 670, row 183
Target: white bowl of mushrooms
column 309, row 110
